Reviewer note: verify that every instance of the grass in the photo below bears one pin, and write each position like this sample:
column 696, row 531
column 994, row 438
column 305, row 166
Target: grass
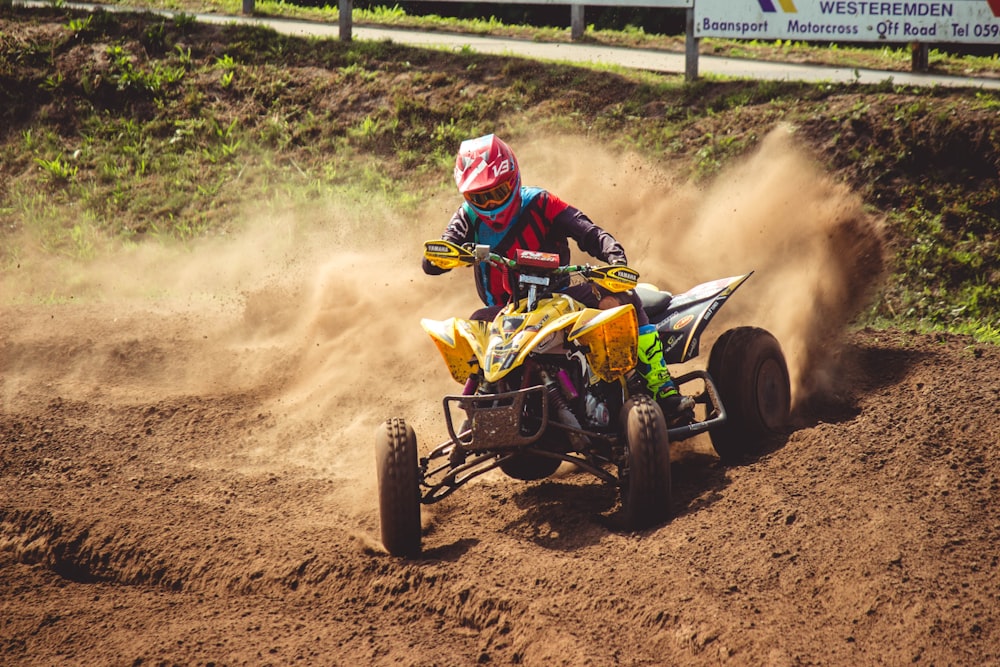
column 980, row 332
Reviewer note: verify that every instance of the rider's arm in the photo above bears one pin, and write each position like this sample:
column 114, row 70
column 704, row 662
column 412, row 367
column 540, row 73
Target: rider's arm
column 592, row 239
column 459, row 231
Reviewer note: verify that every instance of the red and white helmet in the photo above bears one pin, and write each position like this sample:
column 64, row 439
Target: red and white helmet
column 487, row 175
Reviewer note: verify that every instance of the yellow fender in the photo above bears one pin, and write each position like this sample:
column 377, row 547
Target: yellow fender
column 611, row 337
column 460, row 342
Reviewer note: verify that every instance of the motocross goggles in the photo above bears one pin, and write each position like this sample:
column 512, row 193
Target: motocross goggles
column 492, row 198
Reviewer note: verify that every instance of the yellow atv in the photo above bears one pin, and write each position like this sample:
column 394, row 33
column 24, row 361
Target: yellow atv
column 550, row 381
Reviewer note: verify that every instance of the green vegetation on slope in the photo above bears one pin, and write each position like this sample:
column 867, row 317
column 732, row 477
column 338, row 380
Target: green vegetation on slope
column 137, row 127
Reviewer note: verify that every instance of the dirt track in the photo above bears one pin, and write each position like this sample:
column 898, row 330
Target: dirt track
column 146, row 528
column 187, row 477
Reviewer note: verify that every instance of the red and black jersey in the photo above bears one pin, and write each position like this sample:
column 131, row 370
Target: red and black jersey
column 544, row 223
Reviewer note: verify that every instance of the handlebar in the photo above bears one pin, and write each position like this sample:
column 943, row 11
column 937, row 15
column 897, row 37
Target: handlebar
column 448, row 255
column 566, row 269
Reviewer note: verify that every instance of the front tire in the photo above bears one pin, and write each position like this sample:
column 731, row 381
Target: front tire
column 749, row 369
column 645, row 477
column 398, row 487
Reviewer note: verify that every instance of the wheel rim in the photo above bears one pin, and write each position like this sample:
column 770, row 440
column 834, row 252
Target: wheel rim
column 772, row 394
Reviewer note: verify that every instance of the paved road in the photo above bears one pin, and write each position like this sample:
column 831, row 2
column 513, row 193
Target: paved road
column 647, row 59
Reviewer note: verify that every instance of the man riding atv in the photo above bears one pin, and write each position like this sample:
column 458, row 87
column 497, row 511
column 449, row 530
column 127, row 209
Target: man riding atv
column 500, row 212
column 548, row 363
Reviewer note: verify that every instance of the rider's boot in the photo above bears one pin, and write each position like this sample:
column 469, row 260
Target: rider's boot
column 653, row 369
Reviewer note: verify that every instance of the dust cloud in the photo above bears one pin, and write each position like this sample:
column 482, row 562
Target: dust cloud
column 816, row 254
column 313, row 314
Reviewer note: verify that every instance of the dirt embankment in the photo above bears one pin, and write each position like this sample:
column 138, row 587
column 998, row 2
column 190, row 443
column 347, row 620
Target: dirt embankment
column 187, row 476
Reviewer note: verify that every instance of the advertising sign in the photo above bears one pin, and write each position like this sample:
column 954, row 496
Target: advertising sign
column 937, row 21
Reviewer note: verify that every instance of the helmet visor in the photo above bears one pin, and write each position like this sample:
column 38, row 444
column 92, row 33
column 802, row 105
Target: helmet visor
column 495, row 197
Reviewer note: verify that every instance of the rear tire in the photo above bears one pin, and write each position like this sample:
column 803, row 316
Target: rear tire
column 645, row 477
column 398, row 487
column 749, row 369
